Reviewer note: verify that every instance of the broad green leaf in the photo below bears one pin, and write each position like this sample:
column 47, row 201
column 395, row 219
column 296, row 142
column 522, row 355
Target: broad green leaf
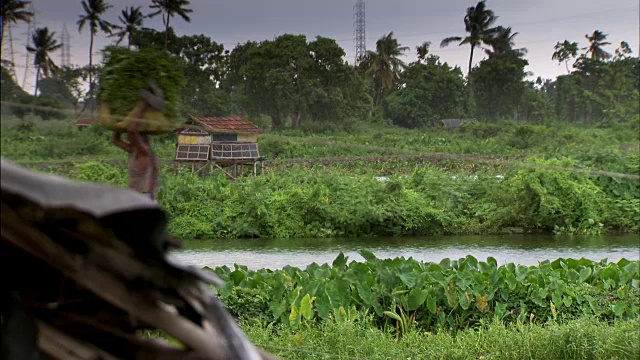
column 277, row 308
column 464, row 300
column 306, row 307
column 393, row 315
column 294, row 316
column 431, row 304
column 500, row 310
column 632, row 268
column 492, row 261
column 368, row 255
column 377, row 308
column 445, row 264
column 340, row 261
column 609, row 273
column 416, row 298
column 573, row 275
column 409, row 279
column 365, row 294
column 323, row 305
column 619, row 308
column 585, row 274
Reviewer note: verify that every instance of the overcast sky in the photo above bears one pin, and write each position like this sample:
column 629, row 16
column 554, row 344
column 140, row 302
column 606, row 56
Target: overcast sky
column 540, row 24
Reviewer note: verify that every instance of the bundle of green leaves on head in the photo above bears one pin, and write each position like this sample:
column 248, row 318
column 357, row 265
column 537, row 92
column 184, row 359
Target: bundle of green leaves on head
column 124, row 74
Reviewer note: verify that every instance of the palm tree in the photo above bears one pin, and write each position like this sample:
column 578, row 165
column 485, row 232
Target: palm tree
column 596, row 42
column 93, row 11
column 13, row 11
column 423, row 50
column 131, row 19
column 564, row 52
column 168, row 9
column 502, row 43
column 477, row 23
column 384, row 64
column 44, row 43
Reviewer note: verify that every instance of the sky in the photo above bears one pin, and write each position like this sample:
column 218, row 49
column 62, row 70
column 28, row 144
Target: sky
column 540, row 24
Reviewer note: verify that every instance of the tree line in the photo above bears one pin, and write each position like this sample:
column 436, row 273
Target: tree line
column 306, row 83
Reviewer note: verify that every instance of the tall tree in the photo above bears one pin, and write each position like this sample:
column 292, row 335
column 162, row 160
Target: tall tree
column 384, row 64
column 131, row 19
column 93, row 11
column 477, row 23
column 423, row 50
column 44, row 43
column 13, row 11
column 596, row 42
column 564, row 52
column 169, row 9
column 502, row 43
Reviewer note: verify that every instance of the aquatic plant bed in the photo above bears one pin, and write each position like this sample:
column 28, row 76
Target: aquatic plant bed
column 405, row 294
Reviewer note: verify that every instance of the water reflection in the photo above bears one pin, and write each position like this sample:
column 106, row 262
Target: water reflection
column 521, row 249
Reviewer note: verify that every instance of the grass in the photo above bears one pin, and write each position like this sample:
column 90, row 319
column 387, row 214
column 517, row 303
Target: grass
column 578, row 339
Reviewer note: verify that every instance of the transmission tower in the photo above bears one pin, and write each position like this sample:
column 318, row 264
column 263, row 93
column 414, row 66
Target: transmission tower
column 359, row 30
column 7, row 48
column 65, row 40
column 31, row 29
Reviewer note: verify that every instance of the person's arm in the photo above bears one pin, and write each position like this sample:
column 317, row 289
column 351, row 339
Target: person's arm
column 138, row 143
column 121, row 144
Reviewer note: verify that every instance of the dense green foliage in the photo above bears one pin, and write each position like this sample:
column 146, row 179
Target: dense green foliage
column 571, row 340
column 126, row 72
column 454, row 294
column 431, row 91
column 321, row 202
column 545, row 191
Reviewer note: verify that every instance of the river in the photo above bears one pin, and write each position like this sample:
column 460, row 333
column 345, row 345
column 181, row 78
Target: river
column 519, row 249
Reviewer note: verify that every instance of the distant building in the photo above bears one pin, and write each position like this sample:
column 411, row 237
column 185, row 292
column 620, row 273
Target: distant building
column 84, row 123
column 220, row 141
column 454, row 123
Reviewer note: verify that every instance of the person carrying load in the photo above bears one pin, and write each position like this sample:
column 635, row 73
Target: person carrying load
column 143, row 164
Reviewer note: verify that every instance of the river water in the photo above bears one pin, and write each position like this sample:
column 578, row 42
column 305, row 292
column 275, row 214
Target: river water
column 519, row 249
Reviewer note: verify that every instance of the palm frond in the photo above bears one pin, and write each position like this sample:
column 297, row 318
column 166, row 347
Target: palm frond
column 446, row 41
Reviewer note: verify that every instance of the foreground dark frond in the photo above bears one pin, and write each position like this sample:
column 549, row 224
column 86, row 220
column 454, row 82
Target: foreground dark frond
column 90, row 271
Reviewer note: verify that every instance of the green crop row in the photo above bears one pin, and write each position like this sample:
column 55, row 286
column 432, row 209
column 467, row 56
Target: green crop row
column 453, row 294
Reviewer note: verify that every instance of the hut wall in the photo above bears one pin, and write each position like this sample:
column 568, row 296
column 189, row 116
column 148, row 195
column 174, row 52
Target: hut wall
column 193, row 139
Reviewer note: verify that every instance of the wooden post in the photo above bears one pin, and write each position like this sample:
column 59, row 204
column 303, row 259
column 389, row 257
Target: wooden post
column 255, row 169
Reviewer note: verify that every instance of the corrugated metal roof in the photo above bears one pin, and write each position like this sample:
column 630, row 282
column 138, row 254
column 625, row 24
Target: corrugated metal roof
column 231, row 124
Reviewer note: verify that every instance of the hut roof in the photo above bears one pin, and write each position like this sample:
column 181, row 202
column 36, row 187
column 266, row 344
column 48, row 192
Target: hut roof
column 85, row 122
column 226, row 125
